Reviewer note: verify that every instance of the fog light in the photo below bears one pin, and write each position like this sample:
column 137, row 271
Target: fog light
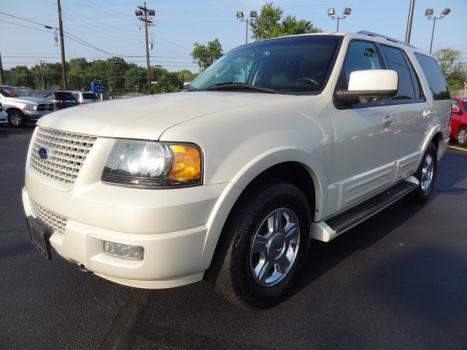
column 129, row 252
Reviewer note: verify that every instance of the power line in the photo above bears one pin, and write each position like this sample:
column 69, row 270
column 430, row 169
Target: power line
column 27, row 20
column 25, row 26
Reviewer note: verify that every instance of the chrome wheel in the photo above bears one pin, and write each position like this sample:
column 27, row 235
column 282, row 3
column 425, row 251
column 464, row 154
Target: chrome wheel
column 274, row 247
column 427, row 173
column 462, row 136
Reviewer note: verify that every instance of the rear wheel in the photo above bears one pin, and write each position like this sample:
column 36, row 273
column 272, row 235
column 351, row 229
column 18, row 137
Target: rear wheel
column 426, row 174
column 16, row 118
column 462, row 136
column 265, row 241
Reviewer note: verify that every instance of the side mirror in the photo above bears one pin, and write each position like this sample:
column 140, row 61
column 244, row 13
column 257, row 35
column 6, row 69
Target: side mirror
column 455, row 109
column 368, row 84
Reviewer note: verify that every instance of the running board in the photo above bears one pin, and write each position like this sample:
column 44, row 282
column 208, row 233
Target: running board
column 328, row 230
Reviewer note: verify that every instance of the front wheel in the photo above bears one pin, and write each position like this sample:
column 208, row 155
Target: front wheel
column 426, row 174
column 266, row 239
column 16, row 118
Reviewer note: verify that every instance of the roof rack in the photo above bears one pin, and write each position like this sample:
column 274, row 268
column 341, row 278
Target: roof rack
column 364, row 32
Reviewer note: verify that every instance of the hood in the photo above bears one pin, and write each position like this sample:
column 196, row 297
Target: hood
column 147, row 117
column 28, row 100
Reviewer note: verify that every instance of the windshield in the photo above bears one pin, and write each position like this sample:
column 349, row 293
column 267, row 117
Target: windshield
column 293, row 65
column 465, row 105
column 89, row 96
column 65, row 96
column 8, row 91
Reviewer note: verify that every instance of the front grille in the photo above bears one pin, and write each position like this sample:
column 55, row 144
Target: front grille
column 54, row 221
column 64, row 153
column 44, row 107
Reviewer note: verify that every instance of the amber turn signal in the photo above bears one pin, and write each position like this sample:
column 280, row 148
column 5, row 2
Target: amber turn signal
column 186, row 163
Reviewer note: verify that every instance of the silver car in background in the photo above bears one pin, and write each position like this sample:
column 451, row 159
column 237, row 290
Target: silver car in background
column 22, row 109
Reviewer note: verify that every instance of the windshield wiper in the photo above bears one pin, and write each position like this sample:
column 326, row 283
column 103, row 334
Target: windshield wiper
column 239, row 86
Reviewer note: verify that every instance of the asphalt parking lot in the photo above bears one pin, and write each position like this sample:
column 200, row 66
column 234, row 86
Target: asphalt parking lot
column 397, row 281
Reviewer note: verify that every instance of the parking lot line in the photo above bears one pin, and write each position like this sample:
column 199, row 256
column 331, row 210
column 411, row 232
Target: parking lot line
column 458, row 148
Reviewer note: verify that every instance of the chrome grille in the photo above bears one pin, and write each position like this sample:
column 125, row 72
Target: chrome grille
column 66, row 153
column 56, row 222
column 44, row 107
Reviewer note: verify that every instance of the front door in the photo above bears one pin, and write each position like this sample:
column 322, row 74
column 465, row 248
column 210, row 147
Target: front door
column 365, row 150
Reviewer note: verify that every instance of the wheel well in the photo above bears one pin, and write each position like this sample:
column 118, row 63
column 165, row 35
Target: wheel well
column 292, row 172
column 11, row 109
column 437, row 139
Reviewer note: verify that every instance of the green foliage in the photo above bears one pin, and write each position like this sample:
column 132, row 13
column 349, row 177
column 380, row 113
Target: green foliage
column 114, row 73
column 205, row 55
column 20, row 76
column 450, row 63
column 270, row 23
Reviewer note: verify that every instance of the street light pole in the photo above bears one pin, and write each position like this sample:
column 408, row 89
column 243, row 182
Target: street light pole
column 241, row 18
column 145, row 15
column 345, row 14
column 432, row 33
column 408, row 30
column 429, row 15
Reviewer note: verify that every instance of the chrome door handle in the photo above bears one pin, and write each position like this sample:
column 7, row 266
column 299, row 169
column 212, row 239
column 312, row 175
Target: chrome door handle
column 427, row 113
column 388, row 120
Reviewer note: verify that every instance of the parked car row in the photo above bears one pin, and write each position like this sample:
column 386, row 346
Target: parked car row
column 18, row 109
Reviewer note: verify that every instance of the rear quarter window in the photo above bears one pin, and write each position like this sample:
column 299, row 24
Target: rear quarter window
column 434, row 76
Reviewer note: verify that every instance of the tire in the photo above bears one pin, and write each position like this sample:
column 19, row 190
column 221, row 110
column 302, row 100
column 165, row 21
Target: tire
column 250, row 238
column 16, row 118
column 462, row 136
column 426, row 174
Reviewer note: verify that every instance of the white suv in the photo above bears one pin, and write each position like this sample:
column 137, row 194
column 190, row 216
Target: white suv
column 277, row 143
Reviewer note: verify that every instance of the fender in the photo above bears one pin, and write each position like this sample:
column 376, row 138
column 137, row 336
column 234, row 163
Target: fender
column 245, row 176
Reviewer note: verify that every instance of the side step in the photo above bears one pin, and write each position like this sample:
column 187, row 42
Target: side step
column 335, row 226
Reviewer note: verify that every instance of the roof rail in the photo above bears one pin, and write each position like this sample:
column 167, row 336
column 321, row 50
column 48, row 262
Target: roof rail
column 364, row 32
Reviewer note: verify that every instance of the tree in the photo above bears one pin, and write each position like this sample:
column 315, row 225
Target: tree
column 270, row 23
column 205, row 55
column 451, row 65
column 20, row 76
column 447, row 59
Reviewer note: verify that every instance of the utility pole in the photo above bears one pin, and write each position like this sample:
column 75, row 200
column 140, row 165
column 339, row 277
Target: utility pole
column 408, row 30
column 145, row 15
column 62, row 45
column 2, row 76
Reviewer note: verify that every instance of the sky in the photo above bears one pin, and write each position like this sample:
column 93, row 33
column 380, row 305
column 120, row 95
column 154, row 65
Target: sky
column 111, row 26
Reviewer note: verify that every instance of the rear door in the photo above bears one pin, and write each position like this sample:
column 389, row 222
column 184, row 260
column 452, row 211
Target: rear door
column 411, row 108
column 437, row 95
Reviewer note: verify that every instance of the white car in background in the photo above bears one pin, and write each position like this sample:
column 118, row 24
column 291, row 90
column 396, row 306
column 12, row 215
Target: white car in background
column 85, row 97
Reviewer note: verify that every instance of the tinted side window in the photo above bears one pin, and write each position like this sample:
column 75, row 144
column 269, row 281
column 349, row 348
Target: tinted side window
column 396, row 61
column 435, row 77
column 361, row 55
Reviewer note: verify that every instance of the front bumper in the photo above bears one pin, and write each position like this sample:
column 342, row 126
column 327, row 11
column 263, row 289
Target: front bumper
column 169, row 224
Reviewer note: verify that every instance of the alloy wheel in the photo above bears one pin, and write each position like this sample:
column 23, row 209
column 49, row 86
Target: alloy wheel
column 274, row 247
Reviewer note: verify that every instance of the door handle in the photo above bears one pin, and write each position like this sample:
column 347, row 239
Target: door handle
column 427, row 113
column 388, row 120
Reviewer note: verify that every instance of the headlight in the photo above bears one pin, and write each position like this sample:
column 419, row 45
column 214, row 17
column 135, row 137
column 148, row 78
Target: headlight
column 30, row 108
column 150, row 164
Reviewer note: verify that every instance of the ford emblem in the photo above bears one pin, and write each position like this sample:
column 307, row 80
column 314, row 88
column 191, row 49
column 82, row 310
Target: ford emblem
column 43, row 153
